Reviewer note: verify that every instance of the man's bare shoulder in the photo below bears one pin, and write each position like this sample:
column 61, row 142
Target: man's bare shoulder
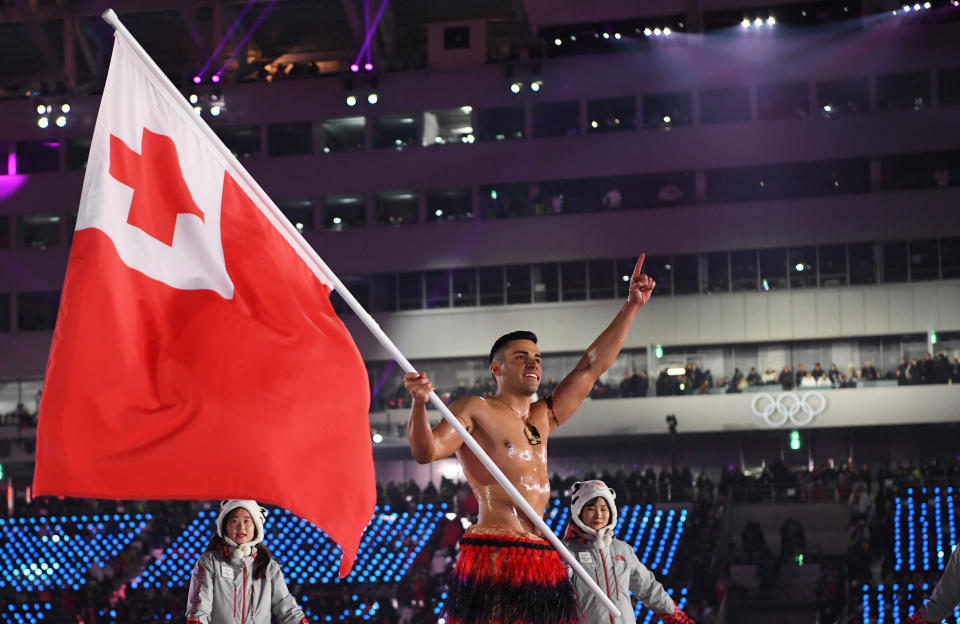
column 470, row 406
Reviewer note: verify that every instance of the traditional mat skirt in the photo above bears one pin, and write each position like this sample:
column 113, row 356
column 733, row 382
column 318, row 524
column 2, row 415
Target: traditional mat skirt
column 502, row 579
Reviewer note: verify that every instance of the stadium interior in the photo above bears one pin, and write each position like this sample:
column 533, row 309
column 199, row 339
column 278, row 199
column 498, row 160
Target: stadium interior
column 781, row 426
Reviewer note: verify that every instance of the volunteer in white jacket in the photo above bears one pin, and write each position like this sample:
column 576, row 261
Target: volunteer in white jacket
column 236, row 581
column 612, row 562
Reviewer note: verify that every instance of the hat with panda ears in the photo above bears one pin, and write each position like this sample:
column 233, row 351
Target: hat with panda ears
column 258, row 513
column 583, row 493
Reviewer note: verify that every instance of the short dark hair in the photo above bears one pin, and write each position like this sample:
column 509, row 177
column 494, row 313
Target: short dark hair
column 505, row 339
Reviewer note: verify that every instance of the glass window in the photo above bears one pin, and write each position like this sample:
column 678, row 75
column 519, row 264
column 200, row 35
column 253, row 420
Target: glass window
column 299, row 212
column 243, row 141
column 449, row 205
column 802, row 262
column 4, row 232
column 359, row 287
column 556, row 119
column 785, row 100
column 464, row 287
column 289, row 139
column 570, row 196
column 344, row 211
column 500, row 123
column 38, row 231
column 863, row 263
column 950, row 258
column 666, row 110
column 903, row 91
column 833, row 265
column 773, row 269
column 924, row 260
column 503, row 201
column 686, row 274
column 342, row 135
column 77, row 152
column 4, row 313
column 573, row 277
column 396, row 208
column 37, row 156
column 924, row 170
column 948, row 86
column 394, row 132
column 450, row 125
column 714, row 273
column 438, row 289
column 491, row 285
column 825, row 177
column 602, row 275
column 660, row 268
column 546, row 282
column 743, row 270
column 611, row 114
column 518, row 283
column 410, row 290
column 37, row 311
column 844, row 96
column 894, row 267
column 724, row 105
column 733, row 184
column 384, row 291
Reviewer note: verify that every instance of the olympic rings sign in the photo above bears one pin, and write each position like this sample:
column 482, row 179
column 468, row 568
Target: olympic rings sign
column 800, row 410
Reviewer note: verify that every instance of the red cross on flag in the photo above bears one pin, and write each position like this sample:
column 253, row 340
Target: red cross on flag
column 196, row 353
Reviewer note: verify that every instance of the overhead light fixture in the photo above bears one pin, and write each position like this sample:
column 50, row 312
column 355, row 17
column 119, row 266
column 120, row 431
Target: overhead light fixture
column 368, row 66
column 351, row 100
column 373, row 98
column 536, row 85
column 515, row 87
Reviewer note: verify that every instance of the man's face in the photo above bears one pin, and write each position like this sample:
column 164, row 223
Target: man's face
column 518, row 364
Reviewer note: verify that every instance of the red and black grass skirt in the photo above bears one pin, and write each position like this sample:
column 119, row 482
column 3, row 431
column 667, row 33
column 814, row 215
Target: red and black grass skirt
column 501, row 579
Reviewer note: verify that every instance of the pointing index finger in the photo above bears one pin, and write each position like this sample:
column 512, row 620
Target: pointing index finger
column 638, row 270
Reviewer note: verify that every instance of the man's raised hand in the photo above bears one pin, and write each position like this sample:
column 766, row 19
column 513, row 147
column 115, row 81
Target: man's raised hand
column 641, row 284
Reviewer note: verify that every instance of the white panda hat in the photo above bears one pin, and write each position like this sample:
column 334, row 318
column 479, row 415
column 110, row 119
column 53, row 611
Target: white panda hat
column 583, row 493
column 259, row 515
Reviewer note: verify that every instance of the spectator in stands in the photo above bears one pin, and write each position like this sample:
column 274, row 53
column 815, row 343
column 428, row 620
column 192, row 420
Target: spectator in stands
column 590, row 536
column 868, row 372
column 902, row 372
column 235, row 554
column 799, row 375
column 753, row 377
column 928, row 369
column 834, row 375
column 817, row 372
column 915, row 372
column 786, row 378
column 734, row 385
column 941, row 369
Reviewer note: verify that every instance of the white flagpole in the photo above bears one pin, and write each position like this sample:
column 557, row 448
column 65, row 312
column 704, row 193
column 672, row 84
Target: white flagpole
column 323, row 272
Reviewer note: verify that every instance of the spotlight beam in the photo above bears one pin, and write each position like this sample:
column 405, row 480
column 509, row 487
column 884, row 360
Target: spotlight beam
column 372, row 29
column 226, row 37
column 246, row 37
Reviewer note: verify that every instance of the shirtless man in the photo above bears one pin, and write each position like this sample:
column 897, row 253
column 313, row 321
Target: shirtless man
column 513, row 432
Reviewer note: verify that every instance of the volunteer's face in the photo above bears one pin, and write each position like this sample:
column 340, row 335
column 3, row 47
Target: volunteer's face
column 595, row 514
column 240, row 527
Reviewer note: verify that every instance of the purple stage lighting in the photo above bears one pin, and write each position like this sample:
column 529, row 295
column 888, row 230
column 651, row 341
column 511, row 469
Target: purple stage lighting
column 215, row 78
column 354, row 68
column 368, row 66
column 196, row 79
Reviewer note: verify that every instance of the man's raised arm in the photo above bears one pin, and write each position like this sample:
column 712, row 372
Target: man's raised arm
column 600, row 355
column 427, row 444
